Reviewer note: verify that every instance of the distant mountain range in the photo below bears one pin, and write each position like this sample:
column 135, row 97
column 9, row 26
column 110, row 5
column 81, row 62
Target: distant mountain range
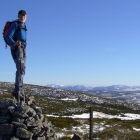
column 69, row 87
column 108, row 88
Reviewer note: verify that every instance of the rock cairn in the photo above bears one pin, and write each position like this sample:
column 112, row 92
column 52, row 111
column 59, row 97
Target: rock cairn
column 24, row 122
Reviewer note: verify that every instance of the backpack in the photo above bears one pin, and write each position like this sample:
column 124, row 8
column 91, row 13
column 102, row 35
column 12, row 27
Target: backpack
column 6, row 28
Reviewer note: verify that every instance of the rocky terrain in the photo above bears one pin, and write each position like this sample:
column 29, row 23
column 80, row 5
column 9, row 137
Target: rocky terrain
column 62, row 107
column 127, row 96
column 24, row 121
column 60, row 93
column 130, row 94
column 68, row 111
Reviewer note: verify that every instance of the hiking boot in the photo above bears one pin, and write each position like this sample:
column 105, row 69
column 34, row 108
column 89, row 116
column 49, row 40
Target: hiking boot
column 23, row 95
column 15, row 94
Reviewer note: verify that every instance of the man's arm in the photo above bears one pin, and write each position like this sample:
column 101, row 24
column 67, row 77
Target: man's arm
column 10, row 34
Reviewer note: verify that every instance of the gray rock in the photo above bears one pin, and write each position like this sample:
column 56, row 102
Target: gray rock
column 38, row 110
column 21, row 111
column 35, row 130
column 6, row 129
column 77, row 137
column 41, row 117
column 23, row 108
column 20, row 114
column 40, row 138
column 41, row 133
column 11, row 109
column 24, row 122
column 55, row 137
column 4, row 104
column 19, row 124
column 33, row 106
column 15, row 119
column 14, row 138
column 31, row 112
column 50, row 132
column 11, row 102
column 3, row 119
column 45, row 123
column 49, row 124
column 23, row 133
column 31, row 122
column 50, row 138
column 31, row 100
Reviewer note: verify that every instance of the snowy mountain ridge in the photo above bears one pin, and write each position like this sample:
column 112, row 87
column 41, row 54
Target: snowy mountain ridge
column 108, row 88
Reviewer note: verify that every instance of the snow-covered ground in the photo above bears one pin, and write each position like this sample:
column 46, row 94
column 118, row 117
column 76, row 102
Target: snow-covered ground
column 85, row 128
column 126, row 116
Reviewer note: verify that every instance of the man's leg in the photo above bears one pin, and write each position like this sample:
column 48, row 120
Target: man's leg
column 20, row 62
column 23, row 67
column 19, row 75
column 15, row 58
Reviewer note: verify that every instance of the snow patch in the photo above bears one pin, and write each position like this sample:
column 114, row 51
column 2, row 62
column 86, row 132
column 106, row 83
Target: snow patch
column 127, row 116
column 136, row 129
column 68, row 99
column 60, row 135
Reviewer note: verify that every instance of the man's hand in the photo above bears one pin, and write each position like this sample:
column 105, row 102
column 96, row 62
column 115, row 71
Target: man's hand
column 18, row 43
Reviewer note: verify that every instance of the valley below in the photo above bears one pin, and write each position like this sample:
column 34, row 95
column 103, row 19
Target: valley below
column 127, row 96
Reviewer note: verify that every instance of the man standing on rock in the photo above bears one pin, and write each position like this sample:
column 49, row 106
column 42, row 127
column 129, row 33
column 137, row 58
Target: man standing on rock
column 16, row 37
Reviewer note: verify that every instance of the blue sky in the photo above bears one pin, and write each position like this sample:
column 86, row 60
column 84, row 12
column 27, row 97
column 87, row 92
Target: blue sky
column 70, row 42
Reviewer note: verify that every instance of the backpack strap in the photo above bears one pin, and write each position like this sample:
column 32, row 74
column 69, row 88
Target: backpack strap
column 25, row 28
column 18, row 29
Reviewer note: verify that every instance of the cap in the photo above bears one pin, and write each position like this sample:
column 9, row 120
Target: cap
column 22, row 12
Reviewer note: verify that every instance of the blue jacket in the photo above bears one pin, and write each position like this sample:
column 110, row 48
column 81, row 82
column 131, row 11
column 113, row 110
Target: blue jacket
column 20, row 35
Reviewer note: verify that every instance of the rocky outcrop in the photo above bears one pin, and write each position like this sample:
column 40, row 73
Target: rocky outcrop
column 77, row 137
column 24, row 121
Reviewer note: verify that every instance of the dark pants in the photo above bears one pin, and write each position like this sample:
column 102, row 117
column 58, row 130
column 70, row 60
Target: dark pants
column 19, row 56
